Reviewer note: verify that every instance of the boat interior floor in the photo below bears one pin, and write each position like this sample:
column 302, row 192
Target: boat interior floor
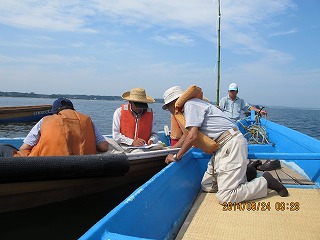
column 294, row 217
column 273, row 217
column 288, row 176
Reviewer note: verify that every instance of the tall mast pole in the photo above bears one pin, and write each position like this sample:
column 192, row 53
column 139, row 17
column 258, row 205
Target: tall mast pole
column 218, row 81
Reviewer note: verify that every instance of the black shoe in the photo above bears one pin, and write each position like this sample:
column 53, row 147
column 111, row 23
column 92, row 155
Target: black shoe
column 254, row 163
column 270, row 165
column 251, row 173
column 274, row 184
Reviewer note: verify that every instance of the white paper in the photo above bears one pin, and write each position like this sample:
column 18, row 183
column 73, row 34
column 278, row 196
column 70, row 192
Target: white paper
column 145, row 146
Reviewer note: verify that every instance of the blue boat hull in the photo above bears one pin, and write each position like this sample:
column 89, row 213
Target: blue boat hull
column 150, row 204
column 158, row 208
column 289, row 145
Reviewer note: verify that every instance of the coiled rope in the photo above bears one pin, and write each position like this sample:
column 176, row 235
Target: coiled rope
column 255, row 133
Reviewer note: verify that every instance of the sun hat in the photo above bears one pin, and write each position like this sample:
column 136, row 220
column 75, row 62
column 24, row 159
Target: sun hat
column 137, row 95
column 233, row 87
column 171, row 94
column 61, row 102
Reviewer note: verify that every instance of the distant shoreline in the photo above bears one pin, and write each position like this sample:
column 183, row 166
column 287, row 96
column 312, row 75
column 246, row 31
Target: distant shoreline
column 70, row 96
column 107, row 98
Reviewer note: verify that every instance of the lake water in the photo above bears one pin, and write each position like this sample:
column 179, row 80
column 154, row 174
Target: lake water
column 101, row 112
column 71, row 219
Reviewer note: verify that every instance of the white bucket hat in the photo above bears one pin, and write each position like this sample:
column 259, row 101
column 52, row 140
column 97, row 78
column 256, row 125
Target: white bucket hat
column 171, row 94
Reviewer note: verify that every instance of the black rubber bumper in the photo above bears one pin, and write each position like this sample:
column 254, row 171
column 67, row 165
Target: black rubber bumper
column 18, row 169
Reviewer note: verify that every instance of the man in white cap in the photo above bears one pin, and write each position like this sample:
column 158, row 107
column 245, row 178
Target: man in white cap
column 233, row 106
column 133, row 123
column 226, row 171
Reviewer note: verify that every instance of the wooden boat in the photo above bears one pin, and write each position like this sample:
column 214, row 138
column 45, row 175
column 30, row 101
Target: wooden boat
column 24, row 113
column 28, row 182
column 171, row 205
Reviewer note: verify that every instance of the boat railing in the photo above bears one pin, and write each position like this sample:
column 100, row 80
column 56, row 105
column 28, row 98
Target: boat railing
column 285, row 156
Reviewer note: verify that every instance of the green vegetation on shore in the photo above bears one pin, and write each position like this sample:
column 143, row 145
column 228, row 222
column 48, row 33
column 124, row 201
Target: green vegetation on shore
column 70, row 96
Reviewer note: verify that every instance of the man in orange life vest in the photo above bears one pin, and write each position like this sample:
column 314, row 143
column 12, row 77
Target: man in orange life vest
column 133, row 122
column 66, row 132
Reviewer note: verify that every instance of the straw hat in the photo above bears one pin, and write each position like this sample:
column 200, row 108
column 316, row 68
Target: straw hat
column 137, row 95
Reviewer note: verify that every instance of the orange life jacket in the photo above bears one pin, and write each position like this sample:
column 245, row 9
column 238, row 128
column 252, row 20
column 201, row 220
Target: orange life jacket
column 66, row 133
column 204, row 142
column 136, row 128
column 175, row 130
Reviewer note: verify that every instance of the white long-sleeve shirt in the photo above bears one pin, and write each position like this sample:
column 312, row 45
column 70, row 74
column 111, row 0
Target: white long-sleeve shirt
column 120, row 138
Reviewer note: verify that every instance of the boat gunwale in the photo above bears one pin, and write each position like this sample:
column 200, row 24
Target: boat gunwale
column 30, row 108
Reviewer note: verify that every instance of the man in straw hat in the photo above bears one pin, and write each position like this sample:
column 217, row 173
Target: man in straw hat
column 226, row 173
column 133, row 123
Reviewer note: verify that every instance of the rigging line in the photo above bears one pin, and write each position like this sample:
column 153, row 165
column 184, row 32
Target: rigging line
column 293, row 178
column 278, row 176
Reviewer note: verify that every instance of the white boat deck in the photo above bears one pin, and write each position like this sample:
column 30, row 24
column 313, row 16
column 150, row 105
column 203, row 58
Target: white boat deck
column 294, row 217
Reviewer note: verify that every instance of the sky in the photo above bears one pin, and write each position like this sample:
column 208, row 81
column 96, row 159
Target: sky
column 106, row 47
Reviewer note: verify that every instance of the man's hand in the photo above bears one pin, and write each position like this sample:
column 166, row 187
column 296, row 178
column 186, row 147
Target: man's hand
column 169, row 159
column 138, row 142
column 264, row 112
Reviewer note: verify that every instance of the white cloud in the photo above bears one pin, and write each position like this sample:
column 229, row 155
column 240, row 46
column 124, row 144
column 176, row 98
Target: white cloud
column 194, row 15
column 49, row 15
column 102, row 42
column 175, row 39
column 47, row 59
column 284, row 33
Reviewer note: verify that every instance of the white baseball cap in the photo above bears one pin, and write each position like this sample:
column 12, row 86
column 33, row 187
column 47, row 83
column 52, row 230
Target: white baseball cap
column 233, row 86
column 170, row 95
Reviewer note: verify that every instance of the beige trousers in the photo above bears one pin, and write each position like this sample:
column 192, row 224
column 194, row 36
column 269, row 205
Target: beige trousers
column 226, row 174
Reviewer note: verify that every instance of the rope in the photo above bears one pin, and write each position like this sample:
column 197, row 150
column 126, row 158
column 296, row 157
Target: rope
column 255, row 133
